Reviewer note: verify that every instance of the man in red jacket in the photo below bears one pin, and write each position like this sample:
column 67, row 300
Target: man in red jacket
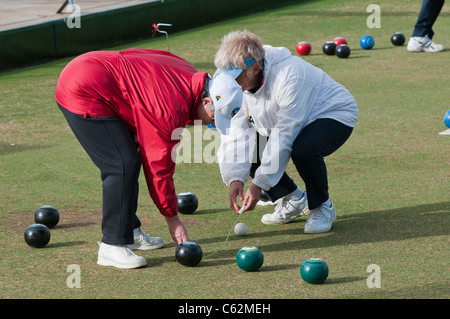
column 123, row 107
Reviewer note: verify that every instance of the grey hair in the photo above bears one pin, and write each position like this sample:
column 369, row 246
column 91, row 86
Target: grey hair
column 236, row 47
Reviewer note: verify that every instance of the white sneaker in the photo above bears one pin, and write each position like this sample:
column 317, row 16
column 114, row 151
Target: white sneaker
column 287, row 210
column 265, row 201
column 268, row 202
column 119, row 256
column 142, row 241
column 423, row 44
column 320, row 220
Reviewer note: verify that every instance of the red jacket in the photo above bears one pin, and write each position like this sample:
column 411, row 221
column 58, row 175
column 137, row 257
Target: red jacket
column 153, row 92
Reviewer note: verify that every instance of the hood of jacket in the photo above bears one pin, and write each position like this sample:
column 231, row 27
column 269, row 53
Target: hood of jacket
column 275, row 55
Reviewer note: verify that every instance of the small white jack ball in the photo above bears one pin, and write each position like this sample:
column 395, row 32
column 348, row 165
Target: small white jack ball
column 240, row 229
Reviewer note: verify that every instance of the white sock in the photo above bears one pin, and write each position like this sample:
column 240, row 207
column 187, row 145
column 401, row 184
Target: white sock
column 296, row 195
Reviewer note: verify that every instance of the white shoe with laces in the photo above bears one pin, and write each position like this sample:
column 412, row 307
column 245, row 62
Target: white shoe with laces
column 142, row 241
column 265, row 200
column 119, row 256
column 320, row 219
column 287, row 210
column 423, row 44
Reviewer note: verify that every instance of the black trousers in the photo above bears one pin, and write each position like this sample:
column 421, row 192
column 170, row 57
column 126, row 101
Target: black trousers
column 427, row 16
column 112, row 149
column 316, row 141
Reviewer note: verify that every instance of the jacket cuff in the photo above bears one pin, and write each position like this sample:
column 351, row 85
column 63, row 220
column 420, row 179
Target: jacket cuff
column 262, row 183
column 231, row 180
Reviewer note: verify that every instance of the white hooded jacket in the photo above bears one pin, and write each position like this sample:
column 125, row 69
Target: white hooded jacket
column 294, row 94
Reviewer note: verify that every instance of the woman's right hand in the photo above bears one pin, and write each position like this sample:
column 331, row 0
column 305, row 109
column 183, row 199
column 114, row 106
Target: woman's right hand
column 236, row 190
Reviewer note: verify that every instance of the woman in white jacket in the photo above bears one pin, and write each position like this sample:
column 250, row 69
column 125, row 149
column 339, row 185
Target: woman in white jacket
column 300, row 111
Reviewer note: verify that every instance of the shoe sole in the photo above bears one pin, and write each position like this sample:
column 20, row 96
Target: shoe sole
column 106, row 262
column 268, row 203
column 423, row 50
column 262, row 203
column 304, row 212
column 310, row 231
column 275, row 222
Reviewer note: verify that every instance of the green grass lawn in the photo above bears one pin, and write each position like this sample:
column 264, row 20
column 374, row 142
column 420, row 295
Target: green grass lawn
column 389, row 183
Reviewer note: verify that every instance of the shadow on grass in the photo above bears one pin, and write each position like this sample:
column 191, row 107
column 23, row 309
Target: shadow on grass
column 75, row 225
column 6, row 149
column 367, row 227
column 210, row 211
column 374, row 48
column 362, row 13
column 342, row 280
column 65, row 244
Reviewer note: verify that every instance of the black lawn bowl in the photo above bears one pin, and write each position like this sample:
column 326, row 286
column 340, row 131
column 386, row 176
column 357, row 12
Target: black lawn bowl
column 37, row 235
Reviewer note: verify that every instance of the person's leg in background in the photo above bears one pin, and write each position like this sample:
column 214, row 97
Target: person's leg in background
column 421, row 38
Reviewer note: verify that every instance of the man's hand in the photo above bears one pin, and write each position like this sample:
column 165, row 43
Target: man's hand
column 177, row 230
